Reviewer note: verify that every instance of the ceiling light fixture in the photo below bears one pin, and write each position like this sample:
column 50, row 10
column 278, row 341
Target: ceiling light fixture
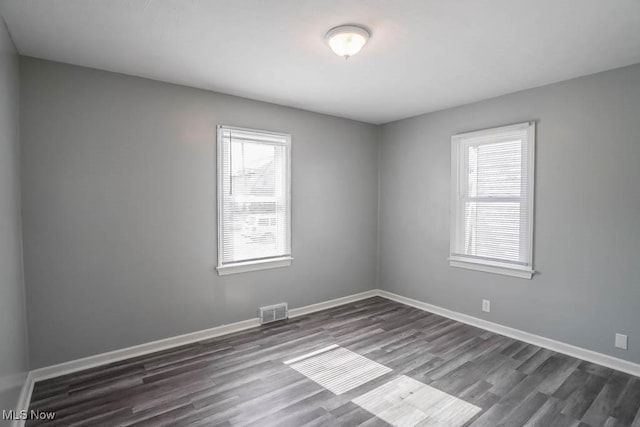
column 347, row 40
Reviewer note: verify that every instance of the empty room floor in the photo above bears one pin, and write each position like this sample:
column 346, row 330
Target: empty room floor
column 373, row 362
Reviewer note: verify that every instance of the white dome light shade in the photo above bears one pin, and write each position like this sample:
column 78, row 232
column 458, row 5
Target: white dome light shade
column 347, row 40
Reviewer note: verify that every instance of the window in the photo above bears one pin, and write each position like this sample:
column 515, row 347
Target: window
column 254, row 203
column 492, row 200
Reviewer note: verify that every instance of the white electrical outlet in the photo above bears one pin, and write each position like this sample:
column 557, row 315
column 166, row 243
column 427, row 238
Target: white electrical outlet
column 486, row 305
column 621, row 341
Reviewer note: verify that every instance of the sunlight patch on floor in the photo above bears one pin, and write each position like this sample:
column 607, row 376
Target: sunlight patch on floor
column 338, row 369
column 406, row 402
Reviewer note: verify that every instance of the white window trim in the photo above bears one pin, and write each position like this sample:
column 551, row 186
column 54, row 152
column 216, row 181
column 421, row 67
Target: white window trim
column 263, row 264
column 260, row 264
column 490, row 266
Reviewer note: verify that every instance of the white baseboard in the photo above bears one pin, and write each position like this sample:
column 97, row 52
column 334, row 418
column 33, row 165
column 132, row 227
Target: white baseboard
column 167, row 343
column 301, row 311
column 24, row 399
column 140, row 350
column 557, row 346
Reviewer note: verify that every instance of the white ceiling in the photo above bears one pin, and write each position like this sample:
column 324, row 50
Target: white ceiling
column 424, row 55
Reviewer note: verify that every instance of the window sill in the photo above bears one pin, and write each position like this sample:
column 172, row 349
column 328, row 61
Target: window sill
column 492, row 267
column 243, row 267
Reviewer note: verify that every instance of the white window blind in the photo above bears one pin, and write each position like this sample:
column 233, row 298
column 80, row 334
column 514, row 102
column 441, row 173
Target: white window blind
column 254, row 203
column 492, row 200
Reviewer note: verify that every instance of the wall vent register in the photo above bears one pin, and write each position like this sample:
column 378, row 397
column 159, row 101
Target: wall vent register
column 273, row 313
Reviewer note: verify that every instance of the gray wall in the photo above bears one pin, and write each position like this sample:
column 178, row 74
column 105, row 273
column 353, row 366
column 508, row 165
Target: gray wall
column 13, row 338
column 119, row 210
column 587, row 225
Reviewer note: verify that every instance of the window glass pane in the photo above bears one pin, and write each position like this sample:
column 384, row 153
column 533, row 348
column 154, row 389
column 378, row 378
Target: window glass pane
column 255, row 204
column 492, row 230
column 495, row 169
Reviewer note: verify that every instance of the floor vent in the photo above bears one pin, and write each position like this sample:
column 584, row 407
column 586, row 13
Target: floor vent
column 273, row 313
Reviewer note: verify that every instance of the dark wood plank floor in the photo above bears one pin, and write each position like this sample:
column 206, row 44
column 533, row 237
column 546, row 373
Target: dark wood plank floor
column 241, row 379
